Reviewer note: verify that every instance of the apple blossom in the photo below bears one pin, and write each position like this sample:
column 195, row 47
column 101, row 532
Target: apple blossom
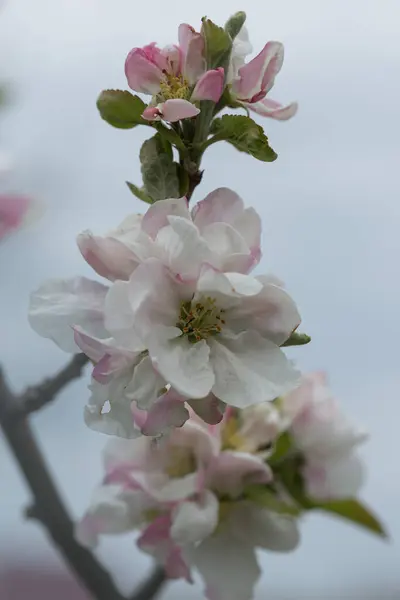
column 251, row 82
column 183, row 320
column 326, row 439
column 176, row 77
column 187, row 495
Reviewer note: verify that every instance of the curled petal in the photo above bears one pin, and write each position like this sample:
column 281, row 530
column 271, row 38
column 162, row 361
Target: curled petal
column 192, row 46
column 142, row 73
column 257, row 77
column 108, row 257
column 273, row 110
column 210, row 86
column 152, row 113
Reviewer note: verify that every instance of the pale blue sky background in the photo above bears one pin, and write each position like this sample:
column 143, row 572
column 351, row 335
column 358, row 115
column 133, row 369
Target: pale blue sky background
column 331, row 213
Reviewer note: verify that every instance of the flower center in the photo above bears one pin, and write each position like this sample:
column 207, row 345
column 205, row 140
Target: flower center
column 173, row 86
column 201, row 320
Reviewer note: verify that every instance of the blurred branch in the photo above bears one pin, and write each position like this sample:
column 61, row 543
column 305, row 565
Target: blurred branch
column 151, row 587
column 48, row 507
column 35, row 397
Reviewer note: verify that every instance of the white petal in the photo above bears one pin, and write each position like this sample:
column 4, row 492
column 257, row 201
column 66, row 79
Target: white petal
column 184, row 250
column 113, row 510
column 119, row 420
column 193, row 521
column 119, row 317
column 331, row 479
column 249, row 370
column 185, row 365
column 145, row 385
column 272, row 313
column 227, row 288
column 154, row 298
column 263, row 528
column 228, row 567
column 61, row 303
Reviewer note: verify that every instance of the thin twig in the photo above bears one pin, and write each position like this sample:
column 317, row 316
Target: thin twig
column 34, row 398
column 151, row 587
column 48, row 507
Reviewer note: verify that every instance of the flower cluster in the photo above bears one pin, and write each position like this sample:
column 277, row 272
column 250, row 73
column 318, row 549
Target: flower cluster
column 183, row 319
column 226, row 444
column 207, row 497
column 178, row 78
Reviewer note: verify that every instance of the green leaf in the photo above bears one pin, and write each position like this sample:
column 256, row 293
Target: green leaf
column 297, row 339
column 235, row 24
column 139, row 193
column 159, row 171
column 152, row 148
column 267, row 499
column 121, row 109
column 243, row 133
column 350, row 509
column 282, row 448
column 353, row 511
column 218, row 45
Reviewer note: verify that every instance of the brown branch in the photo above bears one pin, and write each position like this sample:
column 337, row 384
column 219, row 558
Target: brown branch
column 151, row 587
column 48, row 507
column 34, row 398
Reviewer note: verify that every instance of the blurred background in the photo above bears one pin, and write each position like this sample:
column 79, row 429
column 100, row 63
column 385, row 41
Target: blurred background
column 331, row 213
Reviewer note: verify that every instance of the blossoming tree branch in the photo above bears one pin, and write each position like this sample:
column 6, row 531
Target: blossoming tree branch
column 218, row 445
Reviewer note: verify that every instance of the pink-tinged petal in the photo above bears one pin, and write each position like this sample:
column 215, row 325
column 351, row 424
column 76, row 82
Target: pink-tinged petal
column 177, row 109
column 208, row 409
column 231, row 472
column 166, row 413
column 192, row 46
column 157, row 215
column 273, row 110
column 223, row 205
column 257, row 77
column 143, row 75
column 156, row 56
column 152, row 113
column 156, row 540
column 210, row 86
column 12, row 213
column 94, row 348
column 108, row 257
